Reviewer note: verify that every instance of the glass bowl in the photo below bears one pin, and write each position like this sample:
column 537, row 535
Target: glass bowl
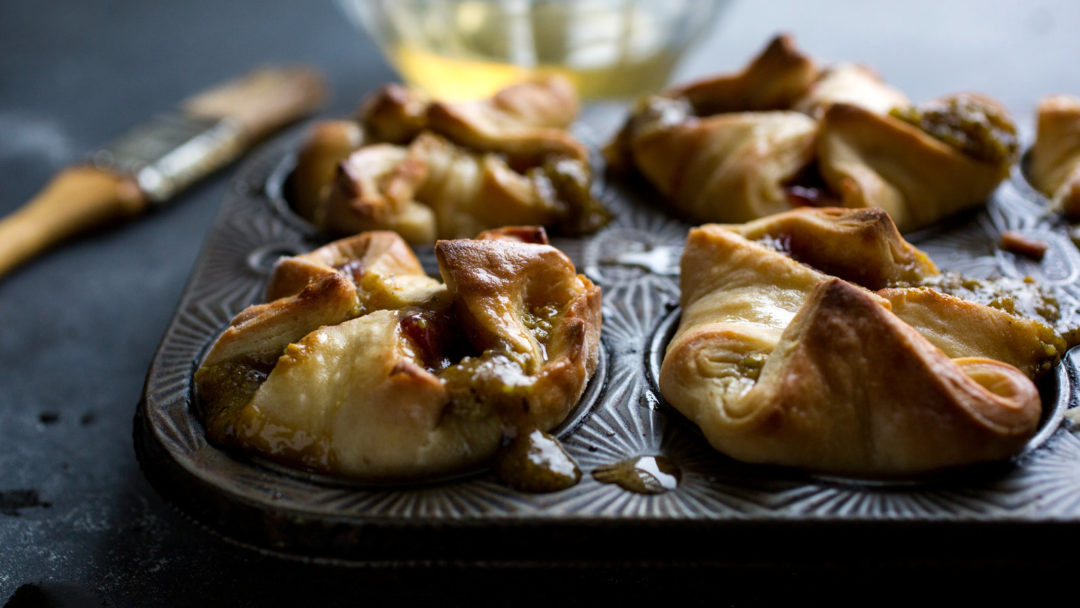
column 463, row 49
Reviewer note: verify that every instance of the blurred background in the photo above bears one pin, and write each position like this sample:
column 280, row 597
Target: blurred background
column 80, row 324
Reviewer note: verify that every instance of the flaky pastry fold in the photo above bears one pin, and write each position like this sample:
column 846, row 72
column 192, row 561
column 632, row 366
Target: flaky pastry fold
column 779, row 362
column 1055, row 158
column 877, row 160
column 728, row 167
column 774, row 80
column 531, row 316
column 524, row 122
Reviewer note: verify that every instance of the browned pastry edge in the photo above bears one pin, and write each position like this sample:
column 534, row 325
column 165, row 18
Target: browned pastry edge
column 525, row 122
column 859, row 245
column 961, row 328
column 292, row 273
column 533, row 276
column 394, row 113
column 261, row 331
column 1055, row 157
column 866, row 157
column 774, row 80
column 536, row 235
column 327, row 144
column 726, row 168
column 411, row 174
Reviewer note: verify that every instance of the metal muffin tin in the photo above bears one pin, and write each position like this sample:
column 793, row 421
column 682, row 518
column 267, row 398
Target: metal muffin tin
column 721, row 512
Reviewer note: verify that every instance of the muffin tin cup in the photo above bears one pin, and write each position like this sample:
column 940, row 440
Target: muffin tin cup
column 720, row 510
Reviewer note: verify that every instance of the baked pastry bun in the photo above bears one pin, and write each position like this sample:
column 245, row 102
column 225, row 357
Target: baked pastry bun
column 728, row 167
column 429, row 170
column 781, row 361
column 920, row 164
column 783, row 133
column 1055, row 158
column 362, row 366
column 721, row 149
column 434, row 189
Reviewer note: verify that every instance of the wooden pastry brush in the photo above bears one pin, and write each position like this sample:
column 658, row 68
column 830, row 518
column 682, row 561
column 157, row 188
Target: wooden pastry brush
column 152, row 163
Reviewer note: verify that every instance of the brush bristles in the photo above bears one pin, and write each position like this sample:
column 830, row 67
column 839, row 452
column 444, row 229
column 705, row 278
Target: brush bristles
column 264, row 100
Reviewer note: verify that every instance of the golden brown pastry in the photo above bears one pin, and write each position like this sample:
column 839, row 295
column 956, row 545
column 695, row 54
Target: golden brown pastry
column 774, row 80
column 920, row 164
column 535, row 322
column 428, row 170
column 524, row 121
column 1055, row 157
column 780, row 362
column 784, row 133
column 362, row 366
column 382, row 267
column 858, row 245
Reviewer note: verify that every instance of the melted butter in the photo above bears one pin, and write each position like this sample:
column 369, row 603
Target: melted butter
column 642, row 475
column 536, row 462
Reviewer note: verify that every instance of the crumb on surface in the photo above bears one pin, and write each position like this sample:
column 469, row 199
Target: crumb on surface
column 1019, row 244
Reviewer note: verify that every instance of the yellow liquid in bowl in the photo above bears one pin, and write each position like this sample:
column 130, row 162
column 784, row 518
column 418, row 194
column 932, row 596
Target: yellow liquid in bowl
column 460, row 78
column 609, row 49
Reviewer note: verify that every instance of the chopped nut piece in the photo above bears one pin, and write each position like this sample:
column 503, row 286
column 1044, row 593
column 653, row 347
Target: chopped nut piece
column 1021, row 245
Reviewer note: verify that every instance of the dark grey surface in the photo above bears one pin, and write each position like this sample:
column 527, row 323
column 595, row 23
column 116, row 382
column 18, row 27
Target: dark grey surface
column 80, row 324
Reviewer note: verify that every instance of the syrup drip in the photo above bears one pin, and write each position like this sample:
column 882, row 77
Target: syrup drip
column 642, row 474
column 536, row 462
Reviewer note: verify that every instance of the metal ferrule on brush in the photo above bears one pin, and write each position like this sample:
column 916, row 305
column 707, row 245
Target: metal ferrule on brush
column 171, row 152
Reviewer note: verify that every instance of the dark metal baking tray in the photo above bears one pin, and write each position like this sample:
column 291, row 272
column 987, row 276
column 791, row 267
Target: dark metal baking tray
column 722, row 511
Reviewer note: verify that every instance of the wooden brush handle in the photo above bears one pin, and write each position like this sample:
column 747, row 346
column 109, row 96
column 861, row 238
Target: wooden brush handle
column 76, row 200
